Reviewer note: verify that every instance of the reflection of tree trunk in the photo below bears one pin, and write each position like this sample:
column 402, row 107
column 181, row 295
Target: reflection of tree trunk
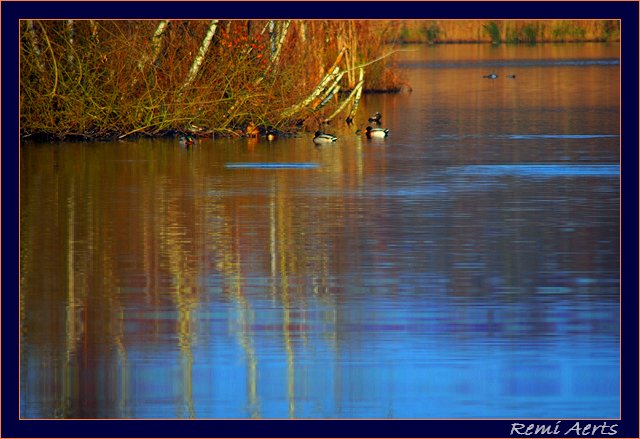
column 204, row 47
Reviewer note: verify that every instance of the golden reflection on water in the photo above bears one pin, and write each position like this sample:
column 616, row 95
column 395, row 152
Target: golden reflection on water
column 129, row 245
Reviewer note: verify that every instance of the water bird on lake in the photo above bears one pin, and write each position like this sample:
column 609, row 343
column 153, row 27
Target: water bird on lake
column 511, row 76
column 376, row 117
column 187, row 140
column 376, row 133
column 252, row 130
column 491, row 76
column 320, row 138
column 272, row 135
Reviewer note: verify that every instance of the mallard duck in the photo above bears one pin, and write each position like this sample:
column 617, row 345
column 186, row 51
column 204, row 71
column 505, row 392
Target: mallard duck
column 187, row 140
column 272, row 135
column 321, row 137
column 376, row 117
column 491, row 76
column 252, row 130
column 511, row 76
column 376, row 132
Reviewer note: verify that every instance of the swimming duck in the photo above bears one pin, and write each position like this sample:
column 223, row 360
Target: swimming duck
column 321, row 137
column 376, row 117
column 271, row 135
column 187, row 140
column 252, row 130
column 376, row 132
column 511, row 76
column 491, row 76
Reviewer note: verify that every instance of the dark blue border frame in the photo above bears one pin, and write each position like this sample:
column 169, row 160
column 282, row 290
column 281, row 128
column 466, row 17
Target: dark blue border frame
column 12, row 12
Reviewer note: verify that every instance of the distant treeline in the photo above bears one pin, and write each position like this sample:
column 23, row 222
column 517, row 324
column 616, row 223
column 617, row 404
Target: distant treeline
column 508, row 31
column 105, row 79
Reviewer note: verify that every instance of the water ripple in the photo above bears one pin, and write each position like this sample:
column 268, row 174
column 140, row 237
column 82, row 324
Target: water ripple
column 539, row 170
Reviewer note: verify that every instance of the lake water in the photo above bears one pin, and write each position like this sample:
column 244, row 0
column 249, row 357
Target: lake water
column 465, row 267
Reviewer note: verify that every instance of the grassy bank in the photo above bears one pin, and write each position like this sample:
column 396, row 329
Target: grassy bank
column 104, row 79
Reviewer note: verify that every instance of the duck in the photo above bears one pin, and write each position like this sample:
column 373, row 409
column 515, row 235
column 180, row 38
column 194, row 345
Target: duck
column 376, row 117
column 187, row 140
column 491, row 76
column 321, row 137
column 252, row 130
column 512, row 76
column 376, row 133
column 271, row 135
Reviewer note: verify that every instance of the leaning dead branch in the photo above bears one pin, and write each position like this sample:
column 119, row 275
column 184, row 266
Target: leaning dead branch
column 357, row 90
column 357, row 97
column 333, row 72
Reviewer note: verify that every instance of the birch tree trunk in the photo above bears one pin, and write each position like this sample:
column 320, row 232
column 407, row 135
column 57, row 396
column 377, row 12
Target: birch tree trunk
column 94, row 30
column 70, row 30
column 314, row 94
column 358, row 95
column 156, row 41
column 333, row 72
column 277, row 41
column 355, row 92
column 272, row 38
column 33, row 37
column 330, row 91
column 280, row 42
column 204, row 47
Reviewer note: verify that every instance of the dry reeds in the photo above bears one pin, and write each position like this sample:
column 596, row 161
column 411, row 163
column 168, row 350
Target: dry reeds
column 116, row 78
column 507, row 31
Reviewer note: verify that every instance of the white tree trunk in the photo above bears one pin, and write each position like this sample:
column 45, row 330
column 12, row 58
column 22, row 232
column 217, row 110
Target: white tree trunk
column 358, row 95
column 35, row 43
column 204, row 47
column 357, row 90
column 68, row 25
column 156, row 42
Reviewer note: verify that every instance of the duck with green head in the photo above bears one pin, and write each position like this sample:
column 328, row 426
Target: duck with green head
column 187, row 140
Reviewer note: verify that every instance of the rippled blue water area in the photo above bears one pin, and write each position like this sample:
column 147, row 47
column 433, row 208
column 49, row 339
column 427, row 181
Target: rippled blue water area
column 466, row 266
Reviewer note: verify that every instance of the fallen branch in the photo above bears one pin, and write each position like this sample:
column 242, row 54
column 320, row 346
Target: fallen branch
column 358, row 95
column 314, row 94
column 357, row 89
column 330, row 91
column 333, row 72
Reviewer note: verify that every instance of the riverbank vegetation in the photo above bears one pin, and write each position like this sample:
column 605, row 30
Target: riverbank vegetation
column 508, row 31
column 96, row 79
